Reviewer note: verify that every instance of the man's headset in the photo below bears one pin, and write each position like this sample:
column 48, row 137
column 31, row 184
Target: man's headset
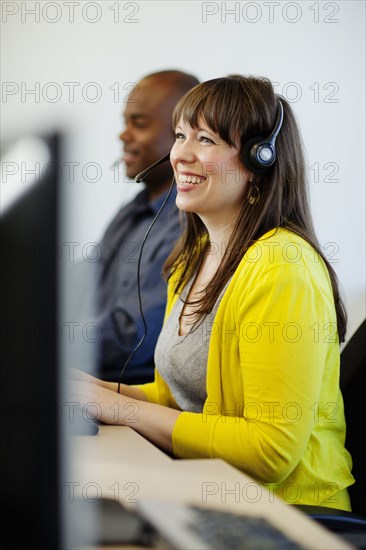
column 258, row 155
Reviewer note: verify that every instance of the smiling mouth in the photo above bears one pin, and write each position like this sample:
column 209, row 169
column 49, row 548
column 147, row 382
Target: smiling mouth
column 129, row 157
column 182, row 178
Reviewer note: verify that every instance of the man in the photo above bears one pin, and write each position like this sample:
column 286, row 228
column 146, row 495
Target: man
column 147, row 136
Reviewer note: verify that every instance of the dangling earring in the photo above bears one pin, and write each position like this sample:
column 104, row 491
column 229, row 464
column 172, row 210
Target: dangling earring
column 254, row 195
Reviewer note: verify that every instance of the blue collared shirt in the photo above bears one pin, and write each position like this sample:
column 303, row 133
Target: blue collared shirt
column 119, row 316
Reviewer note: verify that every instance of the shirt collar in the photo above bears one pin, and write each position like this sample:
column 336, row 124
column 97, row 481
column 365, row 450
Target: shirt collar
column 156, row 204
column 142, row 203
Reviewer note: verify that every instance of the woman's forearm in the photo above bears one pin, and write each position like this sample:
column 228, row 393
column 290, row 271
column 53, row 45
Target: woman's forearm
column 128, row 391
column 155, row 422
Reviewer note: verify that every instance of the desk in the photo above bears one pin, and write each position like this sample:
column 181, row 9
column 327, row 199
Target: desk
column 118, row 463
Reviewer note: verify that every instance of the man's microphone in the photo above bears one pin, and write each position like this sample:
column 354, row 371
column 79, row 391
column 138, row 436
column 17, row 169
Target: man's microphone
column 138, row 179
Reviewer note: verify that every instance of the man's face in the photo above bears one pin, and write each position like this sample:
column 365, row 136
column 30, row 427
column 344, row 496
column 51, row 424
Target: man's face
column 148, row 134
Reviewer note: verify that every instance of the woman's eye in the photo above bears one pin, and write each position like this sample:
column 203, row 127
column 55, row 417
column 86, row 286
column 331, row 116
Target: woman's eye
column 205, row 139
column 178, row 135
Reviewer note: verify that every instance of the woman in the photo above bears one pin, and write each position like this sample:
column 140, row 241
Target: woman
column 247, row 363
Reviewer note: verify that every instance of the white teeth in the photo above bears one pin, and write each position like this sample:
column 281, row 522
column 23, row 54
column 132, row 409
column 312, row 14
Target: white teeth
column 190, row 179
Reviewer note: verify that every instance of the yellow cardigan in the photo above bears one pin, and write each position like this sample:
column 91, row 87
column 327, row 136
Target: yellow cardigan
column 274, row 409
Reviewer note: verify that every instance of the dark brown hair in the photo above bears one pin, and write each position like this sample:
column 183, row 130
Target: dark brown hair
column 239, row 108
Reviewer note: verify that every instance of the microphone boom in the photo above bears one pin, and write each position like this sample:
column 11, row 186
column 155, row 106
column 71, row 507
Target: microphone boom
column 139, row 178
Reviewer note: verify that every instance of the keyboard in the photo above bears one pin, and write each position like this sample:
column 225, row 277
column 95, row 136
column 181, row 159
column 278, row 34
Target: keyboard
column 193, row 527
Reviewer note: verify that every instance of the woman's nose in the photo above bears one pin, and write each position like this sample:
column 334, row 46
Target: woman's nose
column 183, row 152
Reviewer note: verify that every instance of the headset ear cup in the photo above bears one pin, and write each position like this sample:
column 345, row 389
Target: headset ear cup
column 258, row 154
column 246, row 156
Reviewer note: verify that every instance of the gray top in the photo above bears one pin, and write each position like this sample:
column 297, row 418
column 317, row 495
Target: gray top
column 182, row 360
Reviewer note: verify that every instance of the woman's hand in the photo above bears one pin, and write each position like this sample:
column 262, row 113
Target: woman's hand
column 129, row 391
column 155, row 422
column 97, row 402
column 100, row 401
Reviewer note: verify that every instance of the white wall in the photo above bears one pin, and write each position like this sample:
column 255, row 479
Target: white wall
column 314, row 50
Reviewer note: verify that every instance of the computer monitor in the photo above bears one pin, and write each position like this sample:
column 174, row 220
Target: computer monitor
column 30, row 458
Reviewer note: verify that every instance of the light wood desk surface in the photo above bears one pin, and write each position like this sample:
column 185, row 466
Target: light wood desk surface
column 118, row 463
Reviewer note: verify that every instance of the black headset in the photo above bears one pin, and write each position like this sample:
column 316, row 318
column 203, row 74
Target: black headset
column 259, row 153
